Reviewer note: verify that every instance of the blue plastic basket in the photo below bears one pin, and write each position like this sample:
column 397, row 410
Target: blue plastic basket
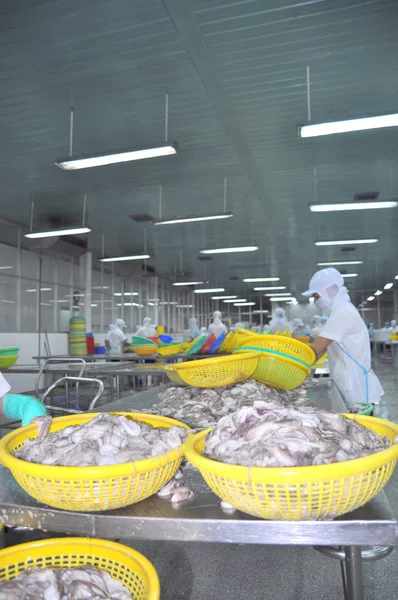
column 166, row 339
column 217, row 344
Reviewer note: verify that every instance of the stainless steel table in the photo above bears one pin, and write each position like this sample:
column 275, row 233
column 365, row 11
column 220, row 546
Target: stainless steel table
column 202, row 519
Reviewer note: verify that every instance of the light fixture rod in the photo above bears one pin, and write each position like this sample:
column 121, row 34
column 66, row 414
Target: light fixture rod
column 32, row 209
column 160, row 202
column 84, row 209
column 308, row 94
column 71, row 132
column 225, row 194
column 166, row 118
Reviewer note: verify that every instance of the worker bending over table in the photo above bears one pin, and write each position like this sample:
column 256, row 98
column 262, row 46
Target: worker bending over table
column 345, row 337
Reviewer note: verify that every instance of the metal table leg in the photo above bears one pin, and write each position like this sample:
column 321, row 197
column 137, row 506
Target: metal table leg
column 354, row 573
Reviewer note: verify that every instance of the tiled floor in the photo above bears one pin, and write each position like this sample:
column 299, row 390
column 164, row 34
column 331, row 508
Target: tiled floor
column 199, row 571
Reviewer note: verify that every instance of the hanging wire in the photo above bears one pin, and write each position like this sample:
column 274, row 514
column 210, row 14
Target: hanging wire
column 180, row 261
column 225, row 194
column 103, row 245
column 166, row 120
column 252, row 228
column 71, row 132
column 84, row 209
column 32, row 210
column 160, row 202
column 145, row 240
column 308, row 94
column 203, row 236
column 390, row 174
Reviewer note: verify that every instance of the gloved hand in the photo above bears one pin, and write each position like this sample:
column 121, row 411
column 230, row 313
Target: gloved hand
column 25, row 408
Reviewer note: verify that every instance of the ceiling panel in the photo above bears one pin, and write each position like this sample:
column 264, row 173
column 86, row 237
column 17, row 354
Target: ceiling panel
column 236, row 76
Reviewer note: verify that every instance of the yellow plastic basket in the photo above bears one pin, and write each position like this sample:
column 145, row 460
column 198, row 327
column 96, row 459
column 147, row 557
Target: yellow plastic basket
column 216, row 372
column 7, row 361
column 284, row 344
column 278, row 371
column 300, row 493
column 126, row 565
column 173, row 375
column 91, row 488
column 145, row 350
column 321, row 360
column 170, row 349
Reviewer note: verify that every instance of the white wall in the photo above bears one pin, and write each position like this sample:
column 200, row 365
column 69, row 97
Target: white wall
column 28, row 347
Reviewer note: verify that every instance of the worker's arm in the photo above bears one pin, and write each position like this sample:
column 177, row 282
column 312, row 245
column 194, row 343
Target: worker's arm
column 23, row 408
column 320, row 345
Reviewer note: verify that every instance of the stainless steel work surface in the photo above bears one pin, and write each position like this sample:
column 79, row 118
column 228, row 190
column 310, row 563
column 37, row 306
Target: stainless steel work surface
column 201, row 519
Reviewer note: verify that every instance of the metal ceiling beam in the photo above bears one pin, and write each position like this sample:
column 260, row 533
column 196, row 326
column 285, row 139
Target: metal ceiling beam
column 186, row 27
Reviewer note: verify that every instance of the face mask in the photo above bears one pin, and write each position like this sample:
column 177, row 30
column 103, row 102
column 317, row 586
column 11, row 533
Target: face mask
column 325, row 304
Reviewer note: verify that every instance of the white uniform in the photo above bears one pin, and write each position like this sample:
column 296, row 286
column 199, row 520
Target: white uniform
column 350, row 335
column 4, row 386
column 116, row 338
column 217, row 327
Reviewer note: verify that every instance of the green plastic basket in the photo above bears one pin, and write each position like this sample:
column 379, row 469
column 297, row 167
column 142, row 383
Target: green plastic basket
column 138, row 340
column 10, row 351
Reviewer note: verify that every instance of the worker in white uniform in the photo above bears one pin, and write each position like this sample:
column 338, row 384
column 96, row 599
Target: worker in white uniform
column 394, row 326
column 193, row 331
column 147, row 330
column 279, row 322
column 345, row 338
column 298, row 327
column 217, row 327
column 18, row 406
column 316, row 326
column 116, row 341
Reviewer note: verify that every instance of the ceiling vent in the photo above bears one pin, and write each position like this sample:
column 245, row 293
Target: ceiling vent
column 143, row 218
column 348, row 248
column 366, row 196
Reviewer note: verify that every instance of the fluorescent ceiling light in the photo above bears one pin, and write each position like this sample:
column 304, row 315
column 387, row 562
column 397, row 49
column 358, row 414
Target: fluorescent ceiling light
column 126, row 294
column 193, row 219
column 8, row 301
column 255, row 279
column 131, row 304
column 275, row 287
column 378, row 293
column 388, row 286
column 3, row 268
column 244, row 304
column 259, row 312
column 348, row 125
column 346, row 242
column 223, row 297
column 181, row 283
column 93, row 305
column 41, row 289
column 184, row 305
column 229, row 250
column 235, row 300
column 122, row 258
column 353, row 206
column 349, row 275
column 340, row 262
column 278, row 294
column 111, row 158
column 57, row 232
column 99, row 287
column 209, row 290
column 284, row 299
column 396, row 277
column 370, row 298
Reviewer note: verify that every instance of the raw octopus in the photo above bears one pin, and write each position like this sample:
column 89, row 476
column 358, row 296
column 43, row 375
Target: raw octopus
column 106, row 440
column 266, row 435
column 63, row 584
column 200, row 408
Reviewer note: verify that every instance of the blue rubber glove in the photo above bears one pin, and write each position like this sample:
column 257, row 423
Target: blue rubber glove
column 24, row 408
